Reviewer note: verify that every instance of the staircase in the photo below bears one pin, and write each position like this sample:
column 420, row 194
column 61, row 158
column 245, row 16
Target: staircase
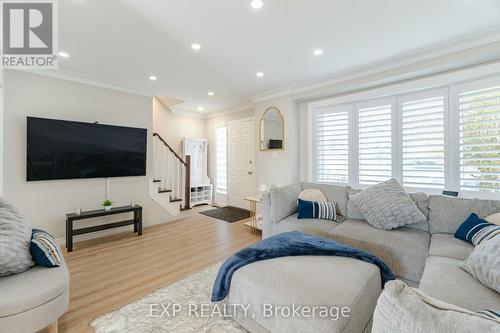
column 171, row 177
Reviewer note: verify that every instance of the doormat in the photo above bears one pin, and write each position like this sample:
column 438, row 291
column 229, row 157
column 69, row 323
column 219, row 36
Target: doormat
column 229, row 214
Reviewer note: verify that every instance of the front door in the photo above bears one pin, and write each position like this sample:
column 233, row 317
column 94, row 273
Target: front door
column 241, row 158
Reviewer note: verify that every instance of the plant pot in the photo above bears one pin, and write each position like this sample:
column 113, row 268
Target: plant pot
column 107, row 208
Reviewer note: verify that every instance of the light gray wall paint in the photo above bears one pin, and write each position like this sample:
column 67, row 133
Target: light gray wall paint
column 279, row 168
column 45, row 203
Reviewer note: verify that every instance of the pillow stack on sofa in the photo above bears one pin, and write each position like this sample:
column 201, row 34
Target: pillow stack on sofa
column 313, row 204
column 484, row 262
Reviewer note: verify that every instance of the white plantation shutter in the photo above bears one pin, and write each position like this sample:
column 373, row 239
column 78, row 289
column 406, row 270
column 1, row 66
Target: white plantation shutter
column 331, row 143
column 375, row 144
column 479, row 129
column 422, row 134
column 221, row 159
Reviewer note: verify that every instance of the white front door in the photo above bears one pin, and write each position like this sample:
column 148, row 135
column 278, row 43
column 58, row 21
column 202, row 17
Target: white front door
column 241, row 159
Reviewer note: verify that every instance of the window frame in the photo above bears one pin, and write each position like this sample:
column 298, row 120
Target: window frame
column 400, row 94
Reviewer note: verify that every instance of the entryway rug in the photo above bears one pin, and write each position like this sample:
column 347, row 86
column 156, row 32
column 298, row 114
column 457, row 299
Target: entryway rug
column 155, row 313
column 229, row 214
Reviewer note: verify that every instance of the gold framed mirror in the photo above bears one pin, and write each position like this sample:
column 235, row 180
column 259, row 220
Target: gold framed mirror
column 272, row 130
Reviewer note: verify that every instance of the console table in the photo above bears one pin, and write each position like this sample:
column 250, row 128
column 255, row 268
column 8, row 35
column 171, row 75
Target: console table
column 71, row 218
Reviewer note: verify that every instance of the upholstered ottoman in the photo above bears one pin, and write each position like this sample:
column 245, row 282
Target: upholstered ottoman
column 291, row 294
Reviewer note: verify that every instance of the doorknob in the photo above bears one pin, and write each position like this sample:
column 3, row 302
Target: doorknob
column 250, row 172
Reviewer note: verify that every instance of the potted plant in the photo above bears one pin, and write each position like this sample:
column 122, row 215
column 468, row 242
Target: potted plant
column 107, row 204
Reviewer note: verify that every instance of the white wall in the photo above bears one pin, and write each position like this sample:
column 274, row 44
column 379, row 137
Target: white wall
column 279, row 168
column 173, row 128
column 45, row 203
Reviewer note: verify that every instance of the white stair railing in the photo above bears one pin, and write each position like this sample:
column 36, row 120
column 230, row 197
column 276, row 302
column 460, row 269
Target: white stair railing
column 171, row 170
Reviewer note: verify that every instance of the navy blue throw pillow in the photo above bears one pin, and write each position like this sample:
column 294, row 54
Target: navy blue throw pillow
column 44, row 249
column 476, row 230
column 317, row 210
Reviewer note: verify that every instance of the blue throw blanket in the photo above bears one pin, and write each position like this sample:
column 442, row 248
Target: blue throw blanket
column 286, row 245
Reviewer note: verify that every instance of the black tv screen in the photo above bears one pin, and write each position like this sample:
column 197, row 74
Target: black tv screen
column 59, row 149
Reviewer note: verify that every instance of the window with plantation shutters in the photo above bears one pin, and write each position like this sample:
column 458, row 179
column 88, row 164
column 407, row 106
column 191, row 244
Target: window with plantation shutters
column 331, row 143
column 479, row 130
column 422, row 141
column 374, row 143
column 444, row 138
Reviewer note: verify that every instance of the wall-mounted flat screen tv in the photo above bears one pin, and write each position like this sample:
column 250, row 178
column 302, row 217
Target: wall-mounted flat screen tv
column 59, row 149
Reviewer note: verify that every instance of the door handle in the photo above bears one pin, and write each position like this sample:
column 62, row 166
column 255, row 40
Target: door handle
column 250, row 172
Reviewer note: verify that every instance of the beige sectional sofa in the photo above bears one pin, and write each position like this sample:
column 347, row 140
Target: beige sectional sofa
column 425, row 255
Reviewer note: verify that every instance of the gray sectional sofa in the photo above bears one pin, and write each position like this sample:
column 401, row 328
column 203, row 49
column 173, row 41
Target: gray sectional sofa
column 425, row 255
column 418, row 254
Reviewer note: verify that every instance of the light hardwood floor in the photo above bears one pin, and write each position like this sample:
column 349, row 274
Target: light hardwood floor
column 113, row 271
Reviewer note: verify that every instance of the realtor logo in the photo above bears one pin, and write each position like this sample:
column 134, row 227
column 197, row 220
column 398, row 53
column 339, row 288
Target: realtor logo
column 28, row 34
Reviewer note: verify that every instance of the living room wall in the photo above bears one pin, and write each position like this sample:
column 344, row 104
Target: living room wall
column 45, row 203
column 174, row 128
column 279, row 168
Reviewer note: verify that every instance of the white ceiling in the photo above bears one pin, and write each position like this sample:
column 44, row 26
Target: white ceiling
column 123, row 42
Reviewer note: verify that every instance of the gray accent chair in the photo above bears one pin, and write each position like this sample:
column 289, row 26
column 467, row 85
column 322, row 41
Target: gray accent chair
column 425, row 255
column 33, row 300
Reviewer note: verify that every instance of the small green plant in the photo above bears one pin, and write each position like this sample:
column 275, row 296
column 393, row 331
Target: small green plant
column 107, row 203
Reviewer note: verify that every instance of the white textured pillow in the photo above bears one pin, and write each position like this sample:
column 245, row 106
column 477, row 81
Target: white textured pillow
column 313, row 194
column 387, row 206
column 495, row 219
column 404, row 309
column 15, row 237
column 484, row 263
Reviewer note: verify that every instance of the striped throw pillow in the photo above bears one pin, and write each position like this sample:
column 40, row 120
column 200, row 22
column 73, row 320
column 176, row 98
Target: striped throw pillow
column 317, row 210
column 44, row 249
column 475, row 230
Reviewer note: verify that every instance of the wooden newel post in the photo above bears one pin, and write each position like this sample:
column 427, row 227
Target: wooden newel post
column 187, row 194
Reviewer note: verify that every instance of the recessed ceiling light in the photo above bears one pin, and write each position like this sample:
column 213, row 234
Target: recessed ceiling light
column 260, row 74
column 201, row 108
column 318, row 52
column 63, row 54
column 196, row 46
column 211, row 93
column 153, row 78
column 256, row 4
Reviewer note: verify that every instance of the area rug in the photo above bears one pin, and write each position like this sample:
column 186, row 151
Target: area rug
column 229, row 214
column 157, row 313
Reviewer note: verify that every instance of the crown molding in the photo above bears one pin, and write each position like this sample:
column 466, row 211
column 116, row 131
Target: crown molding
column 438, row 50
column 208, row 115
column 229, row 111
column 87, row 79
column 181, row 112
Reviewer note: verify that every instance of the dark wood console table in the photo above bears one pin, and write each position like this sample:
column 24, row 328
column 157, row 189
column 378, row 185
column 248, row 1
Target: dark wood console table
column 71, row 218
